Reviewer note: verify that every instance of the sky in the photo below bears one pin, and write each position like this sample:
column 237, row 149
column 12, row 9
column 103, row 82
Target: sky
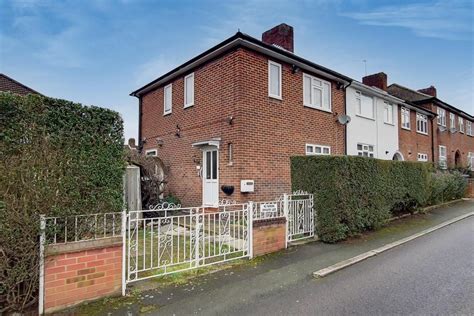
column 98, row 51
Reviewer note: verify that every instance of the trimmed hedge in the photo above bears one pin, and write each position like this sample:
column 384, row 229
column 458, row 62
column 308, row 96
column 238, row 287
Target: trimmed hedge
column 354, row 194
column 58, row 158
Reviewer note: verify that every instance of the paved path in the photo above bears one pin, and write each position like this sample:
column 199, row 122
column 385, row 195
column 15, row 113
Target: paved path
column 274, row 285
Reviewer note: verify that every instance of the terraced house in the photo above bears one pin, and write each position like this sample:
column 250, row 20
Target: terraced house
column 226, row 122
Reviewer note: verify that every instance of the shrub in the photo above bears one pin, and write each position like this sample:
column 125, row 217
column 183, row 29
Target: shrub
column 58, row 158
column 447, row 186
column 354, row 194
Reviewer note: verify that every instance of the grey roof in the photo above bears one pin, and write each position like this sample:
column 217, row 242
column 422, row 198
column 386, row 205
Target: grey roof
column 406, row 93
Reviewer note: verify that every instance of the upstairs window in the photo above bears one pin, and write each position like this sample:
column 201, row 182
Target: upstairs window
column 316, row 93
column 365, row 150
column 274, row 80
column 317, row 150
column 422, row 157
column 405, row 113
column 388, row 113
column 168, row 96
column 442, row 157
column 461, row 125
column 189, row 90
column 469, row 128
column 441, row 117
column 421, row 123
column 365, row 105
column 452, row 120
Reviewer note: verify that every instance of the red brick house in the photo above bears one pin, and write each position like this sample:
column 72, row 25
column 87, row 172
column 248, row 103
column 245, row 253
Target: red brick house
column 226, row 122
column 8, row 84
column 452, row 131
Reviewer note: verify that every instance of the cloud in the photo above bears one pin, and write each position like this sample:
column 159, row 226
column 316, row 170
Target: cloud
column 154, row 68
column 451, row 20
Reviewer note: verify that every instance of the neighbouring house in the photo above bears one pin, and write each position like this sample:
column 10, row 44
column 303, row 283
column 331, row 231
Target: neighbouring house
column 452, row 131
column 373, row 129
column 226, row 122
column 8, row 84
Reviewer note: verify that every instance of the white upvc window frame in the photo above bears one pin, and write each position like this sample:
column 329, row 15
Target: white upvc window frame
column 421, row 121
column 314, row 85
column 317, row 150
column 388, row 106
column 365, row 150
column 270, row 94
column 452, row 120
column 441, row 116
column 469, row 128
column 151, row 152
column 470, row 160
column 188, row 103
column 405, row 118
column 422, row 157
column 165, row 99
column 443, row 159
column 359, row 103
column 461, row 124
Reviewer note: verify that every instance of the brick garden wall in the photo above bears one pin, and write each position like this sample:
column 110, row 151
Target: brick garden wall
column 82, row 271
column 269, row 235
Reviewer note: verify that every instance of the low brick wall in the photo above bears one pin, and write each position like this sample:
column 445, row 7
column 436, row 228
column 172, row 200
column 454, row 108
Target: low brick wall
column 470, row 189
column 81, row 271
column 269, row 235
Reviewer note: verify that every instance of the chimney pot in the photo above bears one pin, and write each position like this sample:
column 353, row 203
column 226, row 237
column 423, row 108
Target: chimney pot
column 431, row 90
column 131, row 143
column 281, row 35
column 378, row 80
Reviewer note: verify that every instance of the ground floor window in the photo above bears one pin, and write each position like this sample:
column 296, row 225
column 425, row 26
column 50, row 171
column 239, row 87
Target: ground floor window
column 422, row 157
column 317, row 150
column 442, row 157
column 470, row 160
column 365, row 150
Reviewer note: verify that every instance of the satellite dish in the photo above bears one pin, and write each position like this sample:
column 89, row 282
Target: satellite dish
column 442, row 128
column 343, row 119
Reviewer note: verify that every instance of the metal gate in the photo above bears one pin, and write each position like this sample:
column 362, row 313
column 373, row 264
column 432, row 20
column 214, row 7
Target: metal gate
column 299, row 215
column 172, row 239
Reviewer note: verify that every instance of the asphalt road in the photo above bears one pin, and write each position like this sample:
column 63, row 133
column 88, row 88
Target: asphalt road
column 432, row 275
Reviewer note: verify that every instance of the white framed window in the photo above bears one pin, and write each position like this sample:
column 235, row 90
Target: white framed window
column 461, row 125
column 316, row 93
column 469, row 128
column 168, row 99
column 274, row 80
column 365, row 150
column 421, row 123
column 189, row 90
column 312, row 150
column 151, row 152
column 441, row 117
column 230, row 153
column 443, row 157
column 452, row 120
column 470, row 160
column 388, row 113
column 405, row 113
column 422, row 157
column 365, row 105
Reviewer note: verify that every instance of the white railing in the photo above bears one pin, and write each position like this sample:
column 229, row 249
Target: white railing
column 75, row 228
column 300, row 216
column 160, row 242
column 269, row 209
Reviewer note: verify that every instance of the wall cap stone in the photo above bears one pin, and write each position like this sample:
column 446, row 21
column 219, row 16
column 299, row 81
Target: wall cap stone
column 56, row 249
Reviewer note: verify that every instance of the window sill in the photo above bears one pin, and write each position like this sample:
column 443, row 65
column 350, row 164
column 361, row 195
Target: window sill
column 188, row 105
column 166, row 114
column 422, row 133
column 365, row 117
column 406, row 128
column 391, row 124
column 275, row 97
column 316, row 108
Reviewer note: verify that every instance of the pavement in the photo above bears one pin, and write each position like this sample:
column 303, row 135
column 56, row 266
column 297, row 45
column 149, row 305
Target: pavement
column 412, row 278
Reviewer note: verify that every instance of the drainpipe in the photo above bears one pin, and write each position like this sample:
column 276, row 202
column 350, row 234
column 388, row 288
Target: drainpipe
column 432, row 140
column 345, row 110
column 139, row 124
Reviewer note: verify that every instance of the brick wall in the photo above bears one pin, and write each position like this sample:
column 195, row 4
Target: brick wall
column 470, row 189
column 82, row 271
column 265, row 132
column 411, row 142
column 269, row 235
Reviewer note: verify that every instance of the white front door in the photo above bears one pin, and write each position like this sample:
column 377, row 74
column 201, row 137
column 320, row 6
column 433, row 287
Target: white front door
column 210, row 177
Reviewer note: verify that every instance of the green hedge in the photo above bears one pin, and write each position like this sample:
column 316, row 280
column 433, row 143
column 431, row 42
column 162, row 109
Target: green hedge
column 354, row 194
column 58, row 158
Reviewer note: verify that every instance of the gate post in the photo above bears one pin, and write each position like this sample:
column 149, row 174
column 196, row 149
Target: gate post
column 285, row 212
column 124, row 251
column 41, row 265
column 250, row 228
column 196, row 242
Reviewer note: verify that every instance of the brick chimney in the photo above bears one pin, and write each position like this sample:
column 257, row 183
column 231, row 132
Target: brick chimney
column 431, row 90
column 378, row 80
column 281, row 35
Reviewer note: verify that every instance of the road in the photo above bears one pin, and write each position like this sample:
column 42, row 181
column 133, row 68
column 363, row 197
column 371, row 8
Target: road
column 430, row 275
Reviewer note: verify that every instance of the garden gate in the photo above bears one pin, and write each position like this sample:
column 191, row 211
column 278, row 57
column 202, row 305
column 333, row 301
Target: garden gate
column 299, row 215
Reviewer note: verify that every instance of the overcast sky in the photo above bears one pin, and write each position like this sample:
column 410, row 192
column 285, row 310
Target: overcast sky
column 97, row 52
